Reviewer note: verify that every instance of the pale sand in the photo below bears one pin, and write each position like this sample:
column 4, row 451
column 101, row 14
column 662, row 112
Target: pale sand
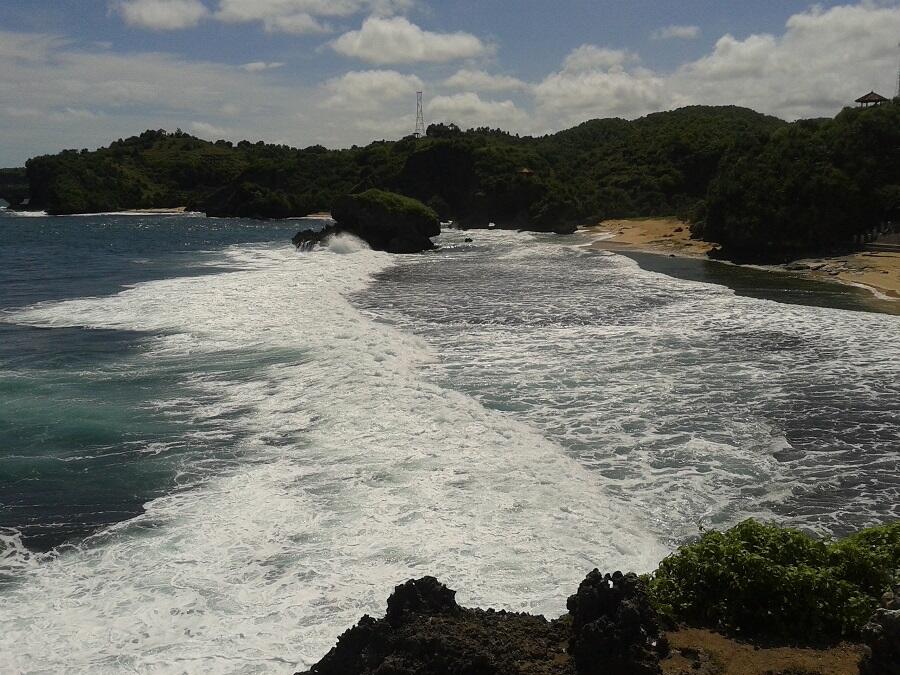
column 172, row 211
column 877, row 271
column 706, row 653
column 655, row 235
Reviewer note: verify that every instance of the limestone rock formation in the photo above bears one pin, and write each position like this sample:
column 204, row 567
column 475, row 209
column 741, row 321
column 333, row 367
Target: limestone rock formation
column 387, row 221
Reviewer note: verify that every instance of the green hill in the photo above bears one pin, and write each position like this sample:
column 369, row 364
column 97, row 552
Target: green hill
column 761, row 187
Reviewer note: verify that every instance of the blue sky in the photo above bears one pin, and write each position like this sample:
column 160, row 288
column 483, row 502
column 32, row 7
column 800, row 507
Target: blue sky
column 77, row 73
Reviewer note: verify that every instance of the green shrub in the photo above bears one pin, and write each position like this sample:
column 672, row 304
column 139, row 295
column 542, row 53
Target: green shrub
column 767, row 581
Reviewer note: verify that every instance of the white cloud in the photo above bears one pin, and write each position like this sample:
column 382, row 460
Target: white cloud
column 33, row 47
column 566, row 98
column 676, row 33
column 469, row 110
column 368, row 89
column 823, row 61
column 591, row 57
column 162, row 14
column 209, row 131
column 479, row 80
column 76, row 97
column 397, row 40
column 296, row 24
column 259, row 66
column 72, row 94
column 302, row 16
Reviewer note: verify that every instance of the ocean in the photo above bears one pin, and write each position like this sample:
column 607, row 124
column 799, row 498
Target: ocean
column 217, row 452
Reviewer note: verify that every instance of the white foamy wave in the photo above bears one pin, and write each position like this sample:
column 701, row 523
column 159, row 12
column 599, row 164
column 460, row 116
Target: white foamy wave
column 15, row 558
column 345, row 243
column 681, row 393
column 358, row 474
column 143, row 212
column 26, row 214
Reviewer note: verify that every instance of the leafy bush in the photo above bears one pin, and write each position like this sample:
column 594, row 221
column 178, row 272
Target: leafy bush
column 767, row 581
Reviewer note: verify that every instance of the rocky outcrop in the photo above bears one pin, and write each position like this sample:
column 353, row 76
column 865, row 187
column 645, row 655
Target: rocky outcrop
column 612, row 629
column 882, row 636
column 307, row 239
column 387, row 221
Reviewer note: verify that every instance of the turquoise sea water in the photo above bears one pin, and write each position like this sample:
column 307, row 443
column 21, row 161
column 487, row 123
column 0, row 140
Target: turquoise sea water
column 217, row 452
column 79, row 445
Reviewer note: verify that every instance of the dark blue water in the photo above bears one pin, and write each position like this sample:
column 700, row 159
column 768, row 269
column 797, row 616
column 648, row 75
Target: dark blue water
column 79, row 446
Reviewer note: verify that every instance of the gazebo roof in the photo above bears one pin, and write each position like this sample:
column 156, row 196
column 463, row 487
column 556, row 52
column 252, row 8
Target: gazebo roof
column 871, row 97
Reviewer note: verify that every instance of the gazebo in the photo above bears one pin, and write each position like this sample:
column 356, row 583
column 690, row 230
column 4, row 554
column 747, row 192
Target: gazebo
column 871, row 99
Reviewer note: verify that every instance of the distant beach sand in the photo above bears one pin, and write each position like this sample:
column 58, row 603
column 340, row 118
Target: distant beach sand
column 877, row 271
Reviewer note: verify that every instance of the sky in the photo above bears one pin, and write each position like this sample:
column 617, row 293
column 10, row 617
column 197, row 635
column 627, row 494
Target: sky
column 82, row 73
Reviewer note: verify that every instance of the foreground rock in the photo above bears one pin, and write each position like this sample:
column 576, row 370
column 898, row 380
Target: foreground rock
column 882, row 635
column 614, row 627
column 384, row 220
column 613, row 630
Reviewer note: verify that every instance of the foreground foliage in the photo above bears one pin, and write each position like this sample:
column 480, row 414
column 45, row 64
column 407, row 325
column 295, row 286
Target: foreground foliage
column 762, row 580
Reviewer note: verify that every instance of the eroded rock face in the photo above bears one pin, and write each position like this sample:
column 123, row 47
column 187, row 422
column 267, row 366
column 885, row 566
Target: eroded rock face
column 426, row 632
column 614, row 627
column 612, row 630
column 882, row 635
column 426, row 596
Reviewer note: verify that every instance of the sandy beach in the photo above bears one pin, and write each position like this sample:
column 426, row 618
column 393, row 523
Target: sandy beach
column 160, row 212
column 877, row 271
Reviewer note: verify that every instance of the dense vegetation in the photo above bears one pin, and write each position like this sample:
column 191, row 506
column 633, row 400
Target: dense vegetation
column 605, row 168
column 811, row 185
column 762, row 188
column 762, row 580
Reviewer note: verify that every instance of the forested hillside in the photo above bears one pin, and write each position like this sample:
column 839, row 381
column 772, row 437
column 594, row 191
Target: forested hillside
column 809, row 186
column 762, row 188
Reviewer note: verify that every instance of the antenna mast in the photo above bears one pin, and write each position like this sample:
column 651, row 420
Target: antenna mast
column 420, row 116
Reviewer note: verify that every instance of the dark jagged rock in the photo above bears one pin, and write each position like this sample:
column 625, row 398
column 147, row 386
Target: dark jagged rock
column 611, row 630
column 387, row 221
column 614, row 627
column 423, row 596
column 882, row 635
column 306, row 239
column 426, row 632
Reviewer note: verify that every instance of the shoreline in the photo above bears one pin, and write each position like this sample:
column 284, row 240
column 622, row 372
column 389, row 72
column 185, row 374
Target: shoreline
column 877, row 272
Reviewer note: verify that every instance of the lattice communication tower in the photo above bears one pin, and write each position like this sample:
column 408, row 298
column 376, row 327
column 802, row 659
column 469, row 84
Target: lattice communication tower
column 420, row 117
column 898, row 77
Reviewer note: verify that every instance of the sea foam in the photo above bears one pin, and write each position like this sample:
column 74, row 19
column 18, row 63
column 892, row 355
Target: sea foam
column 355, row 473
